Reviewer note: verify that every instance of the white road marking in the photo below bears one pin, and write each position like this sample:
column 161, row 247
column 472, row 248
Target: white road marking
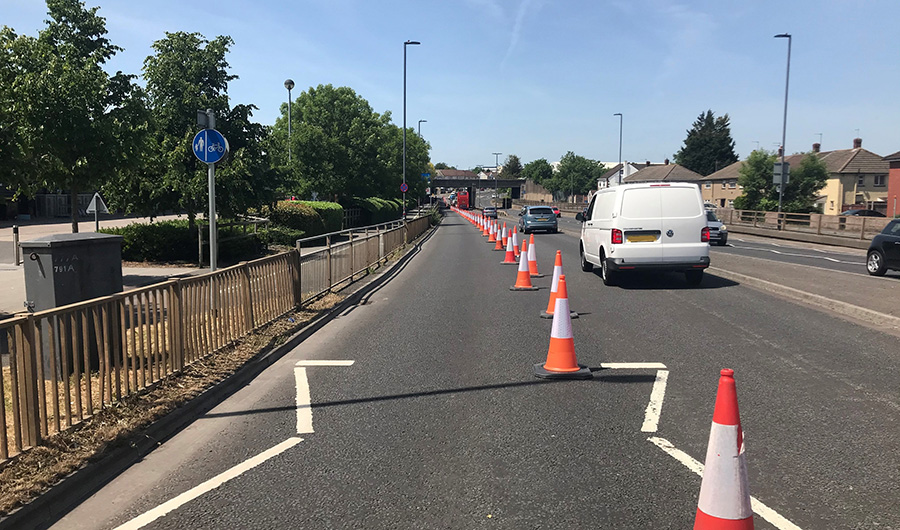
column 211, row 484
column 635, row 366
column 770, row 515
column 654, row 408
column 324, row 363
column 304, row 402
column 800, row 255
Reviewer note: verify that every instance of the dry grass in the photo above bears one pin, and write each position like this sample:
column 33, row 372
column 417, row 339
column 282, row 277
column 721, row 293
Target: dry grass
column 36, row 470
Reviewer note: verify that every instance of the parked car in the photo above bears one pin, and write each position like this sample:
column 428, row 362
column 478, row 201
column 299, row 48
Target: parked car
column 489, row 211
column 884, row 251
column 862, row 213
column 646, row 226
column 718, row 232
column 555, row 210
column 533, row 218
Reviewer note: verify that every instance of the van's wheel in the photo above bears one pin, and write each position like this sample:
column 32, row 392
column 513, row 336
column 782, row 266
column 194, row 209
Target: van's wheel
column 609, row 277
column 586, row 266
column 693, row 277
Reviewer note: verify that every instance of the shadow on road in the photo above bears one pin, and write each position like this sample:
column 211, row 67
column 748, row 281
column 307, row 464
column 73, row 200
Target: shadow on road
column 648, row 280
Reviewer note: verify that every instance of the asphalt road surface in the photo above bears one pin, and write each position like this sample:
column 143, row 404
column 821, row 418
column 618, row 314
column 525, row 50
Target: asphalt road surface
column 425, row 412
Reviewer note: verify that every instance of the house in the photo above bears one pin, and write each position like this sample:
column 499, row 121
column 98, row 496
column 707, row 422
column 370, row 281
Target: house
column 665, row 172
column 893, row 187
column 611, row 176
column 857, row 178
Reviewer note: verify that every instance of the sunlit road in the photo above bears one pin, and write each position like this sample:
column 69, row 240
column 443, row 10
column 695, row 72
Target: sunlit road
column 426, row 414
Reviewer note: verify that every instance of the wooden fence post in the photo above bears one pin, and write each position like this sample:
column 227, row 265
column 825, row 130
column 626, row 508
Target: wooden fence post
column 178, row 325
column 28, row 399
column 862, row 230
column 247, row 297
column 296, row 278
column 819, row 224
column 328, row 258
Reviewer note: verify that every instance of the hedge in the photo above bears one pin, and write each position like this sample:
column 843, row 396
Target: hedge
column 311, row 217
column 169, row 241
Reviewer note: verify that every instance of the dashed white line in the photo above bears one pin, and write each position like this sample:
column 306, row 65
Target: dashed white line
column 634, row 366
column 774, row 518
column 654, row 407
column 211, row 484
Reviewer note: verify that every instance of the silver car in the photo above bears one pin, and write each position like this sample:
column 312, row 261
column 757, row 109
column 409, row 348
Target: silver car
column 718, row 232
column 533, row 218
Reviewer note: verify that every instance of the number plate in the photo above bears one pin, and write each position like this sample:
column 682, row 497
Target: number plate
column 541, row 219
column 642, row 238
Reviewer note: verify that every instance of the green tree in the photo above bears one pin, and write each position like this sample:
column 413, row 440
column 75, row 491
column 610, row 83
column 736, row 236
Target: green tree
column 512, row 168
column 576, row 175
column 538, row 171
column 755, row 177
column 76, row 126
column 760, row 193
column 806, row 180
column 442, row 165
column 708, row 146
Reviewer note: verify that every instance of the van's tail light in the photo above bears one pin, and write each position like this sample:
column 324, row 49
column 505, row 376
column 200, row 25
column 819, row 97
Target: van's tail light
column 617, row 236
column 704, row 235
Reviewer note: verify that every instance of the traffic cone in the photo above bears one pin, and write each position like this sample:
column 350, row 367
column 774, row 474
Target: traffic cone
column 725, row 492
column 532, row 259
column 505, row 235
column 554, row 287
column 499, row 245
column 515, row 241
column 484, row 231
column 561, row 362
column 523, row 278
column 492, row 235
column 510, row 258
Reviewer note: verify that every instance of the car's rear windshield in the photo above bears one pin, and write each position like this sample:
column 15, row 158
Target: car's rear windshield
column 711, row 216
column 540, row 210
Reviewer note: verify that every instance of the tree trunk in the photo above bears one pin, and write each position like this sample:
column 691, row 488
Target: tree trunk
column 74, row 200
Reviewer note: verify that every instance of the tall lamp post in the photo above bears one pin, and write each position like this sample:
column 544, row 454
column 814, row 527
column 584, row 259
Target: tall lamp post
column 289, row 85
column 496, row 165
column 405, row 44
column 619, row 114
column 787, row 80
column 420, row 127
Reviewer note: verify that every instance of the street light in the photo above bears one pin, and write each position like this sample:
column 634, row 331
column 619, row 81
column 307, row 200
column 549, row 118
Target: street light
column 787, row 79
column 289, row 84
column 496, row 165
column 619, row 114
column 405, row 44
column 420, row 127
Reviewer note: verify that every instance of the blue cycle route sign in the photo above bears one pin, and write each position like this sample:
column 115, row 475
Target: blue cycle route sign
column 210, row 146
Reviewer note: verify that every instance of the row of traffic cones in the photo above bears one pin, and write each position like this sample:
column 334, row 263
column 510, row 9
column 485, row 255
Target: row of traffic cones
column 561, row 360
column 724, row 501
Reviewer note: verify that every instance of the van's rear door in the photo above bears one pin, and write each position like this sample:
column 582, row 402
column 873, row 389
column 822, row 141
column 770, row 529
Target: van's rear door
column 683, row 218
column 641, row 226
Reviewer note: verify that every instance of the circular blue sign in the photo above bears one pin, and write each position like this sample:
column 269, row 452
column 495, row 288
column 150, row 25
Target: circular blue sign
column 404, row 188
column 209, row 146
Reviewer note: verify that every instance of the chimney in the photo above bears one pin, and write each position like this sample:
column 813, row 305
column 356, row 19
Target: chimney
column 666, row 162
column 857, row 143
column 780, row 151
column 648, row 162
column 817, row 147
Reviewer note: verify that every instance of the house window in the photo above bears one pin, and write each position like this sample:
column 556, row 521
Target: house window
column 723, row 184
column 732, row 185
column 861, row 181
column 707, row 185
column 730, row 203
column 879, row 180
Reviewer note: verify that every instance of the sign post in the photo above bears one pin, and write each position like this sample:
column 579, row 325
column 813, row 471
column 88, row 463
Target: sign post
column 96, row 207
column 210, row 147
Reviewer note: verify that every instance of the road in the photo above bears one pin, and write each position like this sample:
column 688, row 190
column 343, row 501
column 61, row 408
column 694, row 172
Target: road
column 425, row 412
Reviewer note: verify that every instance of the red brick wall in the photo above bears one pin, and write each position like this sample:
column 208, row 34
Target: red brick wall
column 893, row 194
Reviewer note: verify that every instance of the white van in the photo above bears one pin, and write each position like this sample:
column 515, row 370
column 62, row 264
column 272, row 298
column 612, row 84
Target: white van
column 647, row 226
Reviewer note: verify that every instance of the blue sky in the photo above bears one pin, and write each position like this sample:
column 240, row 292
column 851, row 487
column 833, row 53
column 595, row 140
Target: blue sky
column 538, row 78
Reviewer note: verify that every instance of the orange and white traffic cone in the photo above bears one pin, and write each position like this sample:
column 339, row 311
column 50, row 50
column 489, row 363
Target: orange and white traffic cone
column 484, row 230
column 510, row 258
column 492, row 235
column 523, row 278
column 515, row 241
column 725, row 491
column 561, row 362
column 532, row 259
column 554, row 287
column 505, row 235
column 499, row 245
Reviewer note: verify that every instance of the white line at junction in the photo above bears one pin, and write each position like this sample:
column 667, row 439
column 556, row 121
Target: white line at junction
column 304, row 401
column 633, row 366
column 654, row 408
column 211, row 484
column 770, row 515
column 324, row 363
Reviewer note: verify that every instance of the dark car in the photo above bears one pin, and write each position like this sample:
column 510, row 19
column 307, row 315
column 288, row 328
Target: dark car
column 533, row 218
column 718, row 232
column 862, row 213
column 884, row 251
column 489, row 211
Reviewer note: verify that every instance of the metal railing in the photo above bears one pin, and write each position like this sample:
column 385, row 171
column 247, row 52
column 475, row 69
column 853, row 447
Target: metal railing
column 810, row 223
column 68, row 363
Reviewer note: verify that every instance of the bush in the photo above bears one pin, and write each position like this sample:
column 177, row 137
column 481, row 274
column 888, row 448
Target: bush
column 311, row 217
column 376, row 210
column 280, row 235
column 332, row 214
column 162, row 241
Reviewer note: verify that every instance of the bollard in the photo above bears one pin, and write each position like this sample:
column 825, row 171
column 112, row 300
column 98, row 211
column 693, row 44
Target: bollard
column 17, row 252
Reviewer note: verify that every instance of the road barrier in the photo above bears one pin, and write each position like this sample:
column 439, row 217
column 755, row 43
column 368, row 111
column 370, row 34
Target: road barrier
column 68, row 363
